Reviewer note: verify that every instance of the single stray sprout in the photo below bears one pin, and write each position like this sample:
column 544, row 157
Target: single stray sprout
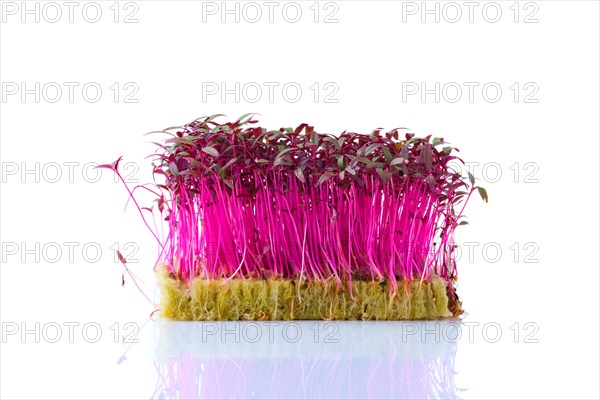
column 241, row 201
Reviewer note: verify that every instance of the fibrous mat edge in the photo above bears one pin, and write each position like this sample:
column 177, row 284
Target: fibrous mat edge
column 288, row 299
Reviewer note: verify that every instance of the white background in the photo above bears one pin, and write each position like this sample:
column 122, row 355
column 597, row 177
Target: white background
column 543, row 141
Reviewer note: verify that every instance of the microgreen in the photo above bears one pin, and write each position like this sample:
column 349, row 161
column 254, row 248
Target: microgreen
column 243, row 201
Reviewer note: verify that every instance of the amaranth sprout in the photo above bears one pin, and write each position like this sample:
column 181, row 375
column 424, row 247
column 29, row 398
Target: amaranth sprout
column 295, row 224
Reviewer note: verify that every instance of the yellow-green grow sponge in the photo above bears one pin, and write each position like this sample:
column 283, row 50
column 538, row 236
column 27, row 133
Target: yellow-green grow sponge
column 287, row 299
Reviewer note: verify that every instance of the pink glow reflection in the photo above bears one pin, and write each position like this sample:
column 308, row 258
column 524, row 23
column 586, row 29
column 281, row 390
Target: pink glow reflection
column 369, row 360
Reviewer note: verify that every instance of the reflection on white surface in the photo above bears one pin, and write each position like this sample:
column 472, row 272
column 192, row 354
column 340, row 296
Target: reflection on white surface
column 304, row 359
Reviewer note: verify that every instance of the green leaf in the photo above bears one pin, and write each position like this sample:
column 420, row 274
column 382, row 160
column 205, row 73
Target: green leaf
column 173, row 168
column 350, row 170
column 181, row 140
column 387, row 154
column 314, row 138
column 437, row 140
column 229, row 163
column 447, row 149
column 211, row 150
column 404, row 152
column 279, row 159
column 166, row 130
column 300, row 174
column 332, row 141
column 208, row 119
column 412, row 139
column 397, row 160
column 324, row 177
column 384, row 175
column 483, row 193
column 371, row 148
column 363, row 160
column 284, row 151
column 340, row 161
column 190, row 172
column 463, row 223
column 240, row 119
column 471, row 178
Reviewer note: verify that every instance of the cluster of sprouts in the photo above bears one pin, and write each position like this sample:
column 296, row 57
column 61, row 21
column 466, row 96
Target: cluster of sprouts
column 242, row 201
